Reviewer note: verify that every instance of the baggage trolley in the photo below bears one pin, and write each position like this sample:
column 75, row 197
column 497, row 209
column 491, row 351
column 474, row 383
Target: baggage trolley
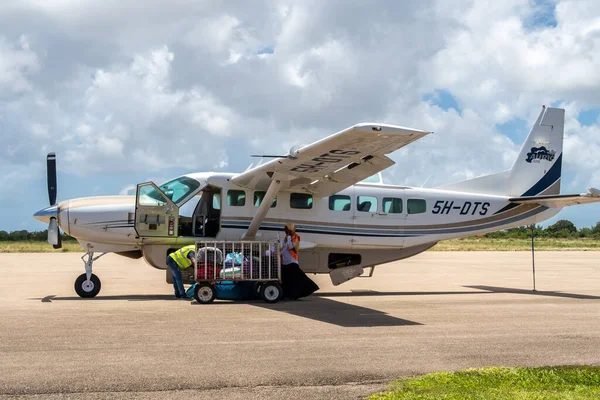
column 238, row 261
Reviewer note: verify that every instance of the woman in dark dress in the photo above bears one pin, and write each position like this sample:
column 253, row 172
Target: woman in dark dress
column 294, row 281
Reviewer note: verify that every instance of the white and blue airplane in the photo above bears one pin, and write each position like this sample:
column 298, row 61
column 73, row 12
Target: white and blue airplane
column 332, row 190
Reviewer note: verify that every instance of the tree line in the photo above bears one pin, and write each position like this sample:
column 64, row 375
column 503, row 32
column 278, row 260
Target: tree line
column 26, row 236
column 561, row 229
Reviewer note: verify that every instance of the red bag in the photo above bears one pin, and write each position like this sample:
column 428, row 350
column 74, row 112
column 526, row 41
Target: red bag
column 208, row 271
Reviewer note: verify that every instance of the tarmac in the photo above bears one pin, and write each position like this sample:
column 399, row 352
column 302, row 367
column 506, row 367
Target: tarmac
column 433, row 312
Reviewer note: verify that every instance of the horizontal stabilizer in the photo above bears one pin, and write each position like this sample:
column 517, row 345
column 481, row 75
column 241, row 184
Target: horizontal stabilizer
column 560, row 200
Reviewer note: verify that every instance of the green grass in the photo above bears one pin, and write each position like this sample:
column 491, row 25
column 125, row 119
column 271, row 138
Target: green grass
column 500, row 383
column 38, row 247
column 487, row 244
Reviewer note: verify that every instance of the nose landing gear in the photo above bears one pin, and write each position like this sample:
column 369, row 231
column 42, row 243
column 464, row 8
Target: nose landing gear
column 88, row 285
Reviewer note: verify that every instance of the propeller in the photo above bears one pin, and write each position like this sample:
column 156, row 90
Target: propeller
column 53, row 229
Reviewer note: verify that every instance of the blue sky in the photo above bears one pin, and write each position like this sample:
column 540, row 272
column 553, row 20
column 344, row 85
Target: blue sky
column 125, row 95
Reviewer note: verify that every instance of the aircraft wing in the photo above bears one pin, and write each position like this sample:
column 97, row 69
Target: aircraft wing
column 334, row 163
column 560, row 200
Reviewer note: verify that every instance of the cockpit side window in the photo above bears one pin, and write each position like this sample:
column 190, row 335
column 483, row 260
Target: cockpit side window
column 179, row 188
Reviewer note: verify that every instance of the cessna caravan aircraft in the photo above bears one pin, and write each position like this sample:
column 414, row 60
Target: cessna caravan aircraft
column 332, row 190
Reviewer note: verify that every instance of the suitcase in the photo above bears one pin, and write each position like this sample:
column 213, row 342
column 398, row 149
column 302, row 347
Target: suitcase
column 207, row 271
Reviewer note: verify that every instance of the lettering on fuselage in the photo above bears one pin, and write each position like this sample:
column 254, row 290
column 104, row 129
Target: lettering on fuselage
column 466, row 208
column 325, row 160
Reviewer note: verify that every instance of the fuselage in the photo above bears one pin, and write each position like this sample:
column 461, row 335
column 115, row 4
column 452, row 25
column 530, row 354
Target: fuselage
column 362, row 217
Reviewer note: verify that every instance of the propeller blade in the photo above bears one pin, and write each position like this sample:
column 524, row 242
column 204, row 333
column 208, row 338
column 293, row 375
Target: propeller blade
column 53, row 232
column 51, row 169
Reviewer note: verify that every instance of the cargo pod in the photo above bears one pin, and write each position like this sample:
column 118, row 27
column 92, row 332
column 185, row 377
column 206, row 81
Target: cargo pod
column 156, row 215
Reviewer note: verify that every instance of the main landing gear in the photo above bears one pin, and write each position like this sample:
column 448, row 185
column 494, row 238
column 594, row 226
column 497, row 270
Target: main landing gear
column 88, row 285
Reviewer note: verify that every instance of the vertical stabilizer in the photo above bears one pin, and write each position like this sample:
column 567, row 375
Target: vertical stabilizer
column 537, row 169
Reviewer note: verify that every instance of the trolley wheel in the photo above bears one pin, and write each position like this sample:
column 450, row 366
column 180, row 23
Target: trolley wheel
column 271, row 292
column 205, row 293
column 87, row 289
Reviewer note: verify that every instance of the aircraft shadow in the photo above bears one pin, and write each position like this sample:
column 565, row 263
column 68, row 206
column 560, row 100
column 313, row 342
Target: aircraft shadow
column 495, row 289
column 128, row 297
column 360, row 293
column 314, row 307
column 336, row 313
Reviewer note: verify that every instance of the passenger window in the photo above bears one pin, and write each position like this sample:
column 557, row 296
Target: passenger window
column 416, row 206
column 216, row 201
column 301, row 200
column 259, row 196
column 392, row 205
column 339, row 202
column 236, row 198
column 366, row 203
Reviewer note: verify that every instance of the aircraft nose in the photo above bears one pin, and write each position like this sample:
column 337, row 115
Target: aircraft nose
column 45, row 214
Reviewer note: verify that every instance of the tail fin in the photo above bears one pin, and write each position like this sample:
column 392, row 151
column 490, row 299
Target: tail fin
column 537, row 169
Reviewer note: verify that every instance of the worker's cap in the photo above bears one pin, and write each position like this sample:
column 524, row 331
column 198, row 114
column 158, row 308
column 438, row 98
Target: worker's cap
column 291, row 227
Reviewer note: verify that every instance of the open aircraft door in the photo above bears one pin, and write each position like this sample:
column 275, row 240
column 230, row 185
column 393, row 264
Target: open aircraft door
column 155, row 214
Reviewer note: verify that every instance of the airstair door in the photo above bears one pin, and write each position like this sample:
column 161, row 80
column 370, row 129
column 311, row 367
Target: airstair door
column 155, row 214
column 378, row 220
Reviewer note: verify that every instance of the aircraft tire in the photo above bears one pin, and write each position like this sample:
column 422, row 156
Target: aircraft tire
column 205, row 293
column 271, row 292
column 86, row 289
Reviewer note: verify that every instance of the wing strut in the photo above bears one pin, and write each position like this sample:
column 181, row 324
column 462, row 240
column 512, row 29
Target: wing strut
column 263, row 209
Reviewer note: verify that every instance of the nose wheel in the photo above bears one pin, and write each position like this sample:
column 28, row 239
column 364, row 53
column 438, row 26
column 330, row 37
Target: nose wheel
column 88, row 285
column 87, row 288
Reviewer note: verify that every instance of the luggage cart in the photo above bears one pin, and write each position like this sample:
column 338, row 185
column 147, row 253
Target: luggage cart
column 238, row 261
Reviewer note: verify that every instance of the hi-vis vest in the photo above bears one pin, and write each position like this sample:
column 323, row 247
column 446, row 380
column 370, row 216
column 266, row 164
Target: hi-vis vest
column 181, row 256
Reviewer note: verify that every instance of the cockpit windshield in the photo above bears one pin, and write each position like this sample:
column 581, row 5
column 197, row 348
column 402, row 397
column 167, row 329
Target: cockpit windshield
column 179, row 188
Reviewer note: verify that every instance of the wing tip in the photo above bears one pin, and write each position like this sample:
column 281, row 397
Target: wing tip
column 389, row 128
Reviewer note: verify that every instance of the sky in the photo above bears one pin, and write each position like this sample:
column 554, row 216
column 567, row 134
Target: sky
column 126, row 91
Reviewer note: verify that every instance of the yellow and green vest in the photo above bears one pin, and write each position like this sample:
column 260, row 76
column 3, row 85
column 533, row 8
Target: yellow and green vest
column 181, row 256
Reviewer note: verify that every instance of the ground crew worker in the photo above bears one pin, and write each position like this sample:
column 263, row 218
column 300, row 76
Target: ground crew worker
column 290, row 245
column 178, row 260
column 294, row 281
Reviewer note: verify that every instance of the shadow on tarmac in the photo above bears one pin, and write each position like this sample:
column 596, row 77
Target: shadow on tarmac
column 360, row 293
column 314, row 307
column 320, row 308
column 336, row 313
column 495, row 289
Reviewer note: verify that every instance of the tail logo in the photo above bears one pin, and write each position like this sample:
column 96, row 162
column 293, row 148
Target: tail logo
column 540, row 153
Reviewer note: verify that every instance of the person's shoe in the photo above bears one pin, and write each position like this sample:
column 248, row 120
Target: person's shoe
column 177, row 296
column 185, row 297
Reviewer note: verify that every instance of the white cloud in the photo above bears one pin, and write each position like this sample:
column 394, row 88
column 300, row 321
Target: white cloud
column 17, row 63
column 115, row 88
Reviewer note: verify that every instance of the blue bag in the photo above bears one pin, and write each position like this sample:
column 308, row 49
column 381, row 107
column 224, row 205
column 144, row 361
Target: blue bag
column 234, row 259
column 190, row 291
